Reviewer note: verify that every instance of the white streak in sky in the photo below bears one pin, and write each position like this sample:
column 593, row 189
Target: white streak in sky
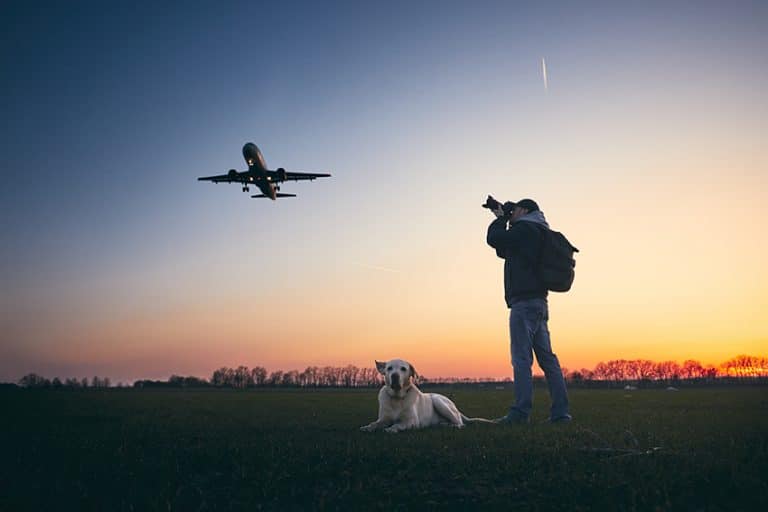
column 544, row 73
column 374, row 267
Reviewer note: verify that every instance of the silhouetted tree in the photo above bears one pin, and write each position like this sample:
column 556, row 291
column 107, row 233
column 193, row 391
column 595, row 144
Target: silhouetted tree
column 258, row 375
column 645, row 369
column 242, row 377
column 691, row 369
column 667, row 370
column 349, row 376
column 222, row 377
column 33, row 380
column 312, row 376
column 195, row 382
column 275, row 378
column 746, row 366
column 290, row 378
column 370, row 376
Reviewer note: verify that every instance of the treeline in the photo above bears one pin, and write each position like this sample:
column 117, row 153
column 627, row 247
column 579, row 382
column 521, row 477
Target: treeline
column 742, row 367
column 33, row 380
column 242, row 377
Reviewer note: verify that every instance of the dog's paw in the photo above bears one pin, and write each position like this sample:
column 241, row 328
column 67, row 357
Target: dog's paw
column 392, row 430
column 366, row 428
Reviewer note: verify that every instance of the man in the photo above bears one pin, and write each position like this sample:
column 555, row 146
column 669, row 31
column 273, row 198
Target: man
column 526, row 298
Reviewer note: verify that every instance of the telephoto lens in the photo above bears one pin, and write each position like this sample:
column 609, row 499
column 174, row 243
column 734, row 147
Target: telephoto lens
column 491, row 203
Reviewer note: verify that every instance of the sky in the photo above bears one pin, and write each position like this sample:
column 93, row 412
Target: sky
column 646, row 148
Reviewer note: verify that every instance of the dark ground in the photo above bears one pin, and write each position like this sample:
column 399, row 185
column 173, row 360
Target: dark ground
column 700, row 449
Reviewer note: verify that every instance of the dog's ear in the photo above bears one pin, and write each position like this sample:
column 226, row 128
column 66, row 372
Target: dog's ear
column 381, row 366
column 413, row 372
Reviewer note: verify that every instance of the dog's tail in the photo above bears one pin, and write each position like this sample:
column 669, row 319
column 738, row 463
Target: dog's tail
column 475, row 420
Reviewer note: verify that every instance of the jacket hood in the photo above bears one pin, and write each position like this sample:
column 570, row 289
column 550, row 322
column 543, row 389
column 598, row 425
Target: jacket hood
column 536, row 217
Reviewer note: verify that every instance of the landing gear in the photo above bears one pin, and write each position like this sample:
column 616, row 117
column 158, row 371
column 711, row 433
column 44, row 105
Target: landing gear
column 245, row 188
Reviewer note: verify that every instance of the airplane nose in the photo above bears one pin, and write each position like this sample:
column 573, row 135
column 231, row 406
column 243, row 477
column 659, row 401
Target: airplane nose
column 252, row 155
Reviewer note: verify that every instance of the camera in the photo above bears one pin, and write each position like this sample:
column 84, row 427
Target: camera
column 493, row 204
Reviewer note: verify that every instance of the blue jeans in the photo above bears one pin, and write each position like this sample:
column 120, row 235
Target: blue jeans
column 529, row 334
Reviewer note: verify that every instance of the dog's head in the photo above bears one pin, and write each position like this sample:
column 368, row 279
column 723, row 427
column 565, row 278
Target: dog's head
column 398, row 374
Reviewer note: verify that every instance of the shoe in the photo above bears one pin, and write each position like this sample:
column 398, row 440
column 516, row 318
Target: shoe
column 512, row 419
column 562, row 419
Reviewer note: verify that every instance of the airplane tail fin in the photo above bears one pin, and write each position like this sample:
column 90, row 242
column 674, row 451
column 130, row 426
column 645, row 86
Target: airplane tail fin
column 257, row 196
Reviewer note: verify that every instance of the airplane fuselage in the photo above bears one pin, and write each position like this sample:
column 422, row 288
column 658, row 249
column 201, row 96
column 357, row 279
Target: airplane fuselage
column 258, row 166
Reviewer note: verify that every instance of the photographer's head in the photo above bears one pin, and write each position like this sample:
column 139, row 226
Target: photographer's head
column 523, row 207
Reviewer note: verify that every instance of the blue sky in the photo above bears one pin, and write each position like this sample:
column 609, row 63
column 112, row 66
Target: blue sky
column 112, row 110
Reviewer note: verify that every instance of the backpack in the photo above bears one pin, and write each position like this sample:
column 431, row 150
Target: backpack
column 555, row 264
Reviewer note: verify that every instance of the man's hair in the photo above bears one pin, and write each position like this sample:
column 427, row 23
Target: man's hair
column 528, row 204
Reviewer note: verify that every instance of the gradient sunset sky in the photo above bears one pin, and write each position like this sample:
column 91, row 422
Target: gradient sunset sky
column 648, row 149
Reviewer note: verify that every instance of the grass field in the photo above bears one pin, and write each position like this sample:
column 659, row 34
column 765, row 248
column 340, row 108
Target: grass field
column 699, row 449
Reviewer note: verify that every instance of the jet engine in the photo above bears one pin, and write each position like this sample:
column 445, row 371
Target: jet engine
column 281, row 174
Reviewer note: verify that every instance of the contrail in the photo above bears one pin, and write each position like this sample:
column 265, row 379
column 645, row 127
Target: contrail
column 544, row 73
column 374, row 267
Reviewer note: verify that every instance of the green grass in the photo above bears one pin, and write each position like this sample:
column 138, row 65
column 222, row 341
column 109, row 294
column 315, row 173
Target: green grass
column 298, row 450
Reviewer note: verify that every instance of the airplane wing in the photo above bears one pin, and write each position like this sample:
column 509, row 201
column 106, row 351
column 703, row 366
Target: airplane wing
column 239, row 177
column 300, row 176
column 257, row 196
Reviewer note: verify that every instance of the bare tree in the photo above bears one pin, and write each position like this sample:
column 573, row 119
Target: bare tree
column 33, row 380
column 242, row 377
column 223, row 377
column 645, row 369
column 290, row 378
column 349, row 375
column 275, row 378
column 691, row 369
column 746, row 366
column 312, row 376
column 258, row 375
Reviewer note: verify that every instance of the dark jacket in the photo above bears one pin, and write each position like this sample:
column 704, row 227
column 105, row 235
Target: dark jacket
column 519, row 246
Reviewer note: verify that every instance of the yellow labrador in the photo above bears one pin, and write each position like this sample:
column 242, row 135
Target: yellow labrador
column 403, row 406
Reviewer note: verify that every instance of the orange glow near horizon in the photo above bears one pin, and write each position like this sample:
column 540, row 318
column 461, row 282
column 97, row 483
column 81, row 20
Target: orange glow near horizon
column 440, row 341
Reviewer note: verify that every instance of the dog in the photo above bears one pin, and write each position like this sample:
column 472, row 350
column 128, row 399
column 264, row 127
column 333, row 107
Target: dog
column 403, row 406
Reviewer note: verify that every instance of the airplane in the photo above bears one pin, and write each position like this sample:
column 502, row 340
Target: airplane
column 257, row 174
